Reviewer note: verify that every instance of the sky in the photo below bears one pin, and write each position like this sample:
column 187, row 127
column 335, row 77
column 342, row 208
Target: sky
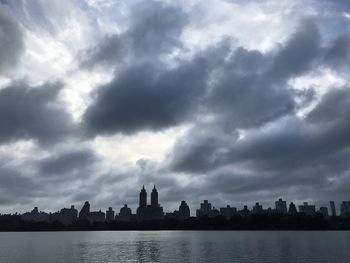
column 232, row 101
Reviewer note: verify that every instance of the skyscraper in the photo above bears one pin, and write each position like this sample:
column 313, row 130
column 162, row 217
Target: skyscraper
column 345, row 208
column 307, row 209
column 109, row 215
column 258, row 209
column 333, row 211
column 292, row 208
column 154, row 197
column 228, row 211
column 323, row 211
column 184, row 211
column 84, row 212
column 149, row 212
column 281, row 206
column 125, row 214
column 143, row 197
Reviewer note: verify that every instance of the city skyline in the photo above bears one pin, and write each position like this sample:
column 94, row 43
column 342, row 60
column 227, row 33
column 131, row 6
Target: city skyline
column 150, row 209
column 193, row 204
column 231, row 101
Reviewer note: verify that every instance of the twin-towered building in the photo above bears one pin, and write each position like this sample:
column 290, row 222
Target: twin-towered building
column 149, row 212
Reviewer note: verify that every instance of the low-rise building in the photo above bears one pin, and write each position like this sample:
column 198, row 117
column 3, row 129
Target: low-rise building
column 307, row 209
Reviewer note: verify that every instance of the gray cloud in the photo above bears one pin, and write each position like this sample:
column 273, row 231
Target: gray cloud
column 11, row 39
column 250, row 90
column 32, row 113
column 15, row 187
column 245, row 142
column 146, row 97
column 68, row 163
column 154, row 30
column 338, row 53
column 297, row 56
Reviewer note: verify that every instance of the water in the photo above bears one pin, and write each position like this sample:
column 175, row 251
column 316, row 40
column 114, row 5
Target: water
column 175, row 246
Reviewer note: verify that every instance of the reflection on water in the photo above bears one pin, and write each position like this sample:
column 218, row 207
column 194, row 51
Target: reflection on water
column 175, row 246
column 147, row 251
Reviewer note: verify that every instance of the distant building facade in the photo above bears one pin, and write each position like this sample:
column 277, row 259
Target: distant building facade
column 324, row 211
column 228, row 212
column 333, row 210
column 244, row 212
column 109, row 215
column 292, row 208
column 281, row 206
column 149, row 212
column 345, row 208
column 86, row 214
column 184, row 211
column 125, row 214
column 36, row 216
column 206, row 210
column 258, row 209
column 182, row 214
column 66, row 216
column 307, row 209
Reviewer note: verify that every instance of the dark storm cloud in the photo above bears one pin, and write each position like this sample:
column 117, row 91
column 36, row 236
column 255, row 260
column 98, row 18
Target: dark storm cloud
column 158, row 84
column 145, row 93
column 66, row 163
column 11, row 40
column 150, row 97
column 338, row 53
column 15, row 187
column 146, row 97
column 64, row 173
column 249, row 91
column 334, row 106
column 297, row 56
column 154, row 30
column 302, row 157
column 32, row 113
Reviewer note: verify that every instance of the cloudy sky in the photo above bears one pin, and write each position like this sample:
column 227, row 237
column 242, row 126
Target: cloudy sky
column 234, row 101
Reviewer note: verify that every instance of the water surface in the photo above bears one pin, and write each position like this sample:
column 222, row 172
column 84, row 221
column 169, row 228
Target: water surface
column 176, row 246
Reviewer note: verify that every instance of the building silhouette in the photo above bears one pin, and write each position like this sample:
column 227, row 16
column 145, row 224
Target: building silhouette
column 307, row 209
column 333, row 210
column 149, row 212
column 244, row 212
column 97, row 216
column 143, row 197
column 323, row 211
column 292, row 208
column 228, row 212
column 345, row 208
column 182, row 214
column 153, row 211
column 257, row 209
column 125, row 214
column 281, row 206
column 85, row 210
column 206, row 210
column 86, row 214
column 66, row 216
column 36, row 216
column 184, row 211
column 109, row 215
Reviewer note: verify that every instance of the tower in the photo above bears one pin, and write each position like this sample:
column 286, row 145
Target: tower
column 292, row 208
column 154, row 197
column 143, row 198
column 333, row 211
column 109, row 215
column 184, row 211
column 281, row 206
column 84, row 212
